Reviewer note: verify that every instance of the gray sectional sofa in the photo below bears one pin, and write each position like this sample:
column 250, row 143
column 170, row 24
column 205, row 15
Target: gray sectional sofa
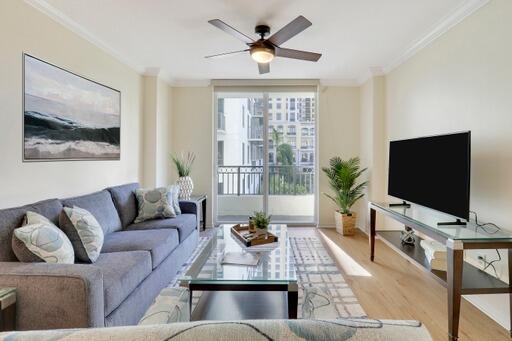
column 137, row 261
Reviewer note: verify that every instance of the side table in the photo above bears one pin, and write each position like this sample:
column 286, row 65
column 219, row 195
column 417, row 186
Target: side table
column 7, row 309
column 200, row 199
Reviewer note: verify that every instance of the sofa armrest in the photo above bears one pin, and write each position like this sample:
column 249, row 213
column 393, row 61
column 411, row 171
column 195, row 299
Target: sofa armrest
column 53, row 296
column 190, row 207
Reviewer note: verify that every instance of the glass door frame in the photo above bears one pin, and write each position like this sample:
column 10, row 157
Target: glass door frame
column 264, row 91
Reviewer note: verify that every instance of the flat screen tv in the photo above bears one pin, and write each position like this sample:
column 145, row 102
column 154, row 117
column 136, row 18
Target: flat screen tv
column 432, row 171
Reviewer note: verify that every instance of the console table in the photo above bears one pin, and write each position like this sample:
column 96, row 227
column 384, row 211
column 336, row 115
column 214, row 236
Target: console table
column 461, row 278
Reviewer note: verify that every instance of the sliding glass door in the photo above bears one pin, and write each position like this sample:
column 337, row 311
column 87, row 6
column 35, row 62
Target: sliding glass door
column 265, row 155
column 291, row 157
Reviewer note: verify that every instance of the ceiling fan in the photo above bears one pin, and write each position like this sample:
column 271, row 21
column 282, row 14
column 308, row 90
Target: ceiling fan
column 264, row 50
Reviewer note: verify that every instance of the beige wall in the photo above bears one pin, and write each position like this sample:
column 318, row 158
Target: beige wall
column 192, row 130
column 338, row 135
column 373, row 148
column 156, row 123
column 149, row 124
column 463, row 81
column 24, row 29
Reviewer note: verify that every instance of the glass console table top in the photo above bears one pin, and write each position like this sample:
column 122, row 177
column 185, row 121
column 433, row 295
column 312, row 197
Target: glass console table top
column 428, row 219
column 276, row 265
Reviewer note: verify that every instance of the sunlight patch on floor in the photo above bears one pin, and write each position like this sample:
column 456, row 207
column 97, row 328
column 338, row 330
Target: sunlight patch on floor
column 348, row 265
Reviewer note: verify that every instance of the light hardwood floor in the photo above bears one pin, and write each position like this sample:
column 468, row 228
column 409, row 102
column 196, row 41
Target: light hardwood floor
column 393, row 288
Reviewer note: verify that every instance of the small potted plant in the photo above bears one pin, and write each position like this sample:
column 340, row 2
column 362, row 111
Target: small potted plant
column 184, row 167
column 260, row 221
column 342, row 179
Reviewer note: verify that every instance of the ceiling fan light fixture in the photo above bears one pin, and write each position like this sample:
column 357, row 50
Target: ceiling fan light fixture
column 262, row 54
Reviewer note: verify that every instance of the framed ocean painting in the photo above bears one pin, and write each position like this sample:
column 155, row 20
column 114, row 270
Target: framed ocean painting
column 66, row 116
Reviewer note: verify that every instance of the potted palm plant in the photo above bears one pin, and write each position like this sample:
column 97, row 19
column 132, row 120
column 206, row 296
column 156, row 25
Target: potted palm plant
column 184, row 167
column 343, row 175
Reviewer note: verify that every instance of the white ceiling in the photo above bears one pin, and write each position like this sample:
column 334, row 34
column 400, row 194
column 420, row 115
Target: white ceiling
column 173, row 36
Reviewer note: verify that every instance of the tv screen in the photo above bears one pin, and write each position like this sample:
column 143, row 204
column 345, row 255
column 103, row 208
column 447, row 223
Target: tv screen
column 433, row 172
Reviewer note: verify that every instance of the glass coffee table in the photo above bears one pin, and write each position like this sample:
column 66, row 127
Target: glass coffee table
column 275, row 270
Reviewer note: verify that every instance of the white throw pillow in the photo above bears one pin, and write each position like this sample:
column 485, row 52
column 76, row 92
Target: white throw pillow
column 39, row 237
column 84, row 232
column 174, row 196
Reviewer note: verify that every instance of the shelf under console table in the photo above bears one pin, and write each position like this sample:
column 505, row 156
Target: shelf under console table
column 461, row 278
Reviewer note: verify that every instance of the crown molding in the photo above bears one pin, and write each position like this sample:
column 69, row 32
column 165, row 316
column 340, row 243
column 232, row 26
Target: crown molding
column 74, row 27
column 188, row 83
column 151, row 71
column 373, row 71
column 443, row 26
column 339, row 82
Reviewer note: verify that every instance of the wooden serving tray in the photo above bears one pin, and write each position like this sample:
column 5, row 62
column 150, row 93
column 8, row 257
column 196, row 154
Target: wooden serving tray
column 260, row 237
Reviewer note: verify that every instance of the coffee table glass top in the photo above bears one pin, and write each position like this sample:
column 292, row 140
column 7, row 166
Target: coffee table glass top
column 276, row 265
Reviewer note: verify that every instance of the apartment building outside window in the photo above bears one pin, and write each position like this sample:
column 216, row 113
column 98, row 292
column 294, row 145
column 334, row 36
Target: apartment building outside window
column 221, row 118
column 220, row 153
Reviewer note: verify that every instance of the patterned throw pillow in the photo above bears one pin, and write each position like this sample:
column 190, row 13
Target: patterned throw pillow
column 153, row 204
column 39, row 240
column 174, row 196
column 84, row 231
column 35, row 218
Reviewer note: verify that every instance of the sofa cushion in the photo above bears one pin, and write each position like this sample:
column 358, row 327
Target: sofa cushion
column 101, row 206
column 47, row 208
column 12, row 218
column 160, row 243
column 122, row 273
column 125, row 202
column 184, row 223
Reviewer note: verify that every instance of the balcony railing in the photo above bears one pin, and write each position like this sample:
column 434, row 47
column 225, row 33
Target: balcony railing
column 248, row 180
column 256, row 133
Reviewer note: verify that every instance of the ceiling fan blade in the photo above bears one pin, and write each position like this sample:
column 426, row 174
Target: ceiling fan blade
column 264, row 68
column 296, row 26
column 225, row 53
column 297, row 54
column 230, row 30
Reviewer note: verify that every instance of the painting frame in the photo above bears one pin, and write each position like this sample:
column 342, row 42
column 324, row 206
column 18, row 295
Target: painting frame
column 26, row 159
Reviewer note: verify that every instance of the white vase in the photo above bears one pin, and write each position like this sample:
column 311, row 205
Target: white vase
column 186, row 186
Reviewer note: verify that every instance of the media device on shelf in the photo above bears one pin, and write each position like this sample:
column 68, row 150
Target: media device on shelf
column 434, row 172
